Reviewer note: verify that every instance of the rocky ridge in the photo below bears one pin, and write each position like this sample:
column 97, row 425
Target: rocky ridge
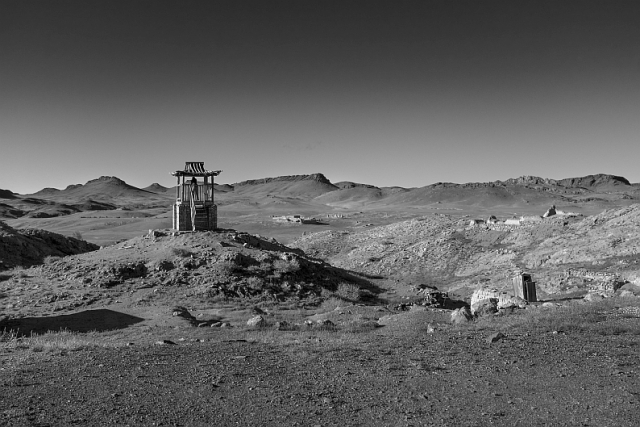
column 446, row 252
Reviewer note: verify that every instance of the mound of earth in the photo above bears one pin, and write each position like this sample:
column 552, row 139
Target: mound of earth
column 28, row 247
column 165, row 269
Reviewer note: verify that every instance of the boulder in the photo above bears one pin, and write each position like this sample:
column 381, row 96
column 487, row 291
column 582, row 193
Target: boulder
column 461, row 315
column 485, row 307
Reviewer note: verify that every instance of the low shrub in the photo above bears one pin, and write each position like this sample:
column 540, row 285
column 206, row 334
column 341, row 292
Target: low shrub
column 286, row 267
column 348, row 291
column 181, row 252
column 332, row 303
column 50, row 259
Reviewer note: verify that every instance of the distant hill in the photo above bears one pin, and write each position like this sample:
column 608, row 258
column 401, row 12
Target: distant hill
column 156, row 188
column 299, row 186
column 106, row 189
column 274, row 193
column 6, row 194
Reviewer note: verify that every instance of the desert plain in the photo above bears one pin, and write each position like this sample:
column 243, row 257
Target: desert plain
column 322, row 304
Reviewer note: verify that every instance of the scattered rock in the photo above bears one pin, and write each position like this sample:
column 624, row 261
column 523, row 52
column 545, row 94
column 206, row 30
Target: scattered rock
column 257, row 322
column 592, row 297
column 495, row 337
column 281, row 326
column 461, row 315
column 325, row 323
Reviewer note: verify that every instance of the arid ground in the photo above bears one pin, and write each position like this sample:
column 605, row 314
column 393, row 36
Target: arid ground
column 325, row 322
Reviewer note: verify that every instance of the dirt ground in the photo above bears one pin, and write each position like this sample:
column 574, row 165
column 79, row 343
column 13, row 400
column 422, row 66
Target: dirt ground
column 412, row 371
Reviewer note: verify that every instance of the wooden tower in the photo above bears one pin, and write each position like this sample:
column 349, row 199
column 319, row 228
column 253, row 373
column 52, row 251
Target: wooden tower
column 194, row 209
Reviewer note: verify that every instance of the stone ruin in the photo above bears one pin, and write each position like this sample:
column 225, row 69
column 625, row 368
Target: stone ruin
column 597, row 282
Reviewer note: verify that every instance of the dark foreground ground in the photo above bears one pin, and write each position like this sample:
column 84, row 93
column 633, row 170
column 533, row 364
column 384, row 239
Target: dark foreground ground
column 448, row 377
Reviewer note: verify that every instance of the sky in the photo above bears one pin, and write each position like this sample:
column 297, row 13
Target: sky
column 388, row 93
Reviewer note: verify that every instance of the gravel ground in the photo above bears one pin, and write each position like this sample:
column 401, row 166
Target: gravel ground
column 448, row 377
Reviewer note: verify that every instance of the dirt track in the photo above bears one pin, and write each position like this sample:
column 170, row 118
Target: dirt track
column 327, row 378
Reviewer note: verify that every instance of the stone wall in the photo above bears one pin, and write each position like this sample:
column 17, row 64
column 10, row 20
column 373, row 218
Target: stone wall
column 206, row 217
column 602, row 282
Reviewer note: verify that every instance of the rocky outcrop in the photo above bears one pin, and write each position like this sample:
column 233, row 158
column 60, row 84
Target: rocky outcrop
column 28, row 247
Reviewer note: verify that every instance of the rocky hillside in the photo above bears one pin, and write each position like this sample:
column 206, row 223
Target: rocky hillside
column 447, row 252
column 31, row 246
column 186, row 269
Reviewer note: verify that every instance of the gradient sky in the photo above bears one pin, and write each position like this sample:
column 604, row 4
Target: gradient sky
column 386, row 93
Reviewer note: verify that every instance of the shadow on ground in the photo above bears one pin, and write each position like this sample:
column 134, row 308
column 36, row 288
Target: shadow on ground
column 86, row 321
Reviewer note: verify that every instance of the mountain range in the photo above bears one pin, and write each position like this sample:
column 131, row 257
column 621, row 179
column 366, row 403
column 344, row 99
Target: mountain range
column 590, row 192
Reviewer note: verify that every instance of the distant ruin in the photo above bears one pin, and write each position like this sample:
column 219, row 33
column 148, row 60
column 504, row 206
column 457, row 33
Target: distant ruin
column 295, row 219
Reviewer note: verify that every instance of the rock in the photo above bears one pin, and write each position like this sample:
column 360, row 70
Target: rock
column 257, row 310
column 257, row 322
column 461, row 315
column 626, row 294
column 162, row 265
column 631, row 288
column 325, row 323
column 495, row 337
column 592, row 297
column 165, row 342
column 226, row 325
column 281, row 326
column 485, row 307
column 430, row 329
column 182, row 312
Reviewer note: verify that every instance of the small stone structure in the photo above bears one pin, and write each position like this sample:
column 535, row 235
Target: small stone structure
column 295, row 219
column 600, row 282
column 194, row 209
column 524, row 287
